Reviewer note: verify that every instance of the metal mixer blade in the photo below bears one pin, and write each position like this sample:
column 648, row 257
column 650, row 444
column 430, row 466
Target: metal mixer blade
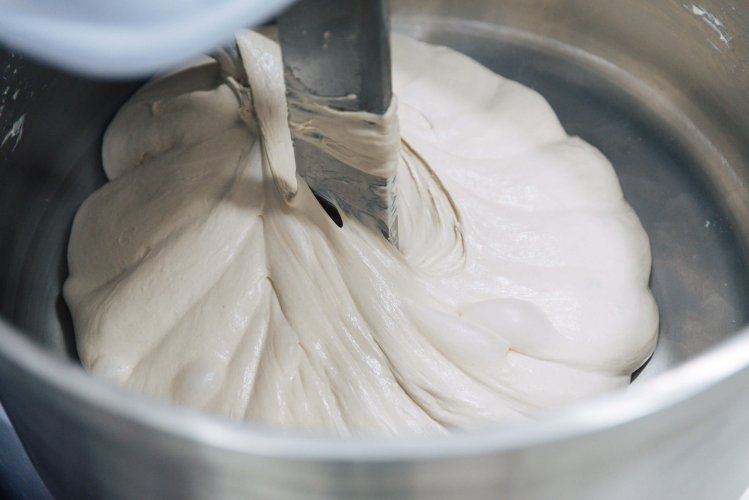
column 339, row 52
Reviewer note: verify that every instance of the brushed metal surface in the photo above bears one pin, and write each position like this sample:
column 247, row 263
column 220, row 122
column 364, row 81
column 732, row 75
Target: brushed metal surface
column 660, row 87
column 337, row 48
column 339, row 52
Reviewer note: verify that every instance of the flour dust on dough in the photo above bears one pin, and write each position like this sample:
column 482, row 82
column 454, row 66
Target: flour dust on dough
column 206, row 273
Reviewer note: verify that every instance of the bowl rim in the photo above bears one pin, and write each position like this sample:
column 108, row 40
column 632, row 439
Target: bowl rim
column 686, row 381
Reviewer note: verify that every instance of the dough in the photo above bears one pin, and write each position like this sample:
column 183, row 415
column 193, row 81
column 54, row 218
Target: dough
column 206, row 273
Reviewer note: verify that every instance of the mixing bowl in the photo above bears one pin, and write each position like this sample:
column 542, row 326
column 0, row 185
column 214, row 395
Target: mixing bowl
column 662, row 88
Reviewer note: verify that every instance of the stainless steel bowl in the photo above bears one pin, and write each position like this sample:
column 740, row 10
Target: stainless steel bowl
column 662, row 88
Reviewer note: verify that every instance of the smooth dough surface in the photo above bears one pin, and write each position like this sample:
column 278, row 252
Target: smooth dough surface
column 206, row 273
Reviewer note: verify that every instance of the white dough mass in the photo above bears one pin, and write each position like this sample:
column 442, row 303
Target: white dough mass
column 206, row 273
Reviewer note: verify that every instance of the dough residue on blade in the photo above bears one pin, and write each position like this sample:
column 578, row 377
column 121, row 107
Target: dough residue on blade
column 206, row 273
